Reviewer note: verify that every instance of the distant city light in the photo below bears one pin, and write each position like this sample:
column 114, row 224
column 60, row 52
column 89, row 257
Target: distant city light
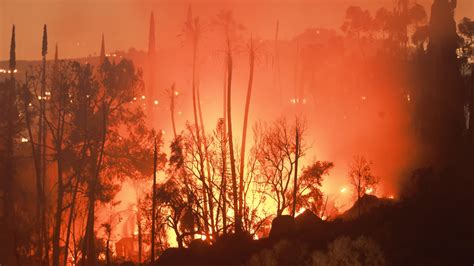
column 179, row 113
column 143, row 97
column 408, row 97
column 363, row 98
column 5, row 71
column 298, row 100
column 155, row 102
column 24, row 140
column 368, row 190
column 343, row 190
column 176, row 93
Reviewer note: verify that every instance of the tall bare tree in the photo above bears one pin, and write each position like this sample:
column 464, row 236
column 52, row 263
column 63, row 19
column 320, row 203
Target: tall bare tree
column 251, row 49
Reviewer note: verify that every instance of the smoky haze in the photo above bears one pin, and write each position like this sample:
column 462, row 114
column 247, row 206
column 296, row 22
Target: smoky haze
column 347, row 114
column 77, row 25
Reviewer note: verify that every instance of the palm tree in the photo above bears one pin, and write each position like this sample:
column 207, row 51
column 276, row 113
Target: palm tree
column 244, row 131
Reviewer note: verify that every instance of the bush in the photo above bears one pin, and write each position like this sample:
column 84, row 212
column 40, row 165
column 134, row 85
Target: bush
column 345, row 251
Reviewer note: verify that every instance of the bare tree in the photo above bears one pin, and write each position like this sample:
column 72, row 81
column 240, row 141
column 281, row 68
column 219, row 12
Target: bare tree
column 361, row 177
column 277, row 158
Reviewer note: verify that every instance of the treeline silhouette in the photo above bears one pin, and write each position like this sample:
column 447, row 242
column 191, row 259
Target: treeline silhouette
column 77, row 131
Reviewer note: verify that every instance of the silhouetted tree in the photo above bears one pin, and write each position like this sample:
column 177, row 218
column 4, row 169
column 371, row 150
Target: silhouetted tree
column 119, row 83
column 446, row 92
column 361, row 177
column 41, row 186
column 9, row 128
column 276, row 155
column 309, row 194
column 357, row 21
column 225, row 19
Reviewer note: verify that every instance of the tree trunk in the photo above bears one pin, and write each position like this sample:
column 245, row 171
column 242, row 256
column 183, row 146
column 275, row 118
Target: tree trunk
column 224, row 158
column 74, row 195
column 153, row 209
column 140, row 242
column 59, row 159
column 43, row 164
column 198, row 138
column 8, row 201
column 208, row 167
column 244, row 131
column 295, row 179
column 238, row 220
column 36, row 161
column 172, row 110
column 90, row 251
column 59, row 206
column 107, row 250
column 70, row 221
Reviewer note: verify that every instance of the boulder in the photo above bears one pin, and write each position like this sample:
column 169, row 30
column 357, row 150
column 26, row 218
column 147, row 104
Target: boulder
column 173, row 257
column 307, row 221
column 282, row 226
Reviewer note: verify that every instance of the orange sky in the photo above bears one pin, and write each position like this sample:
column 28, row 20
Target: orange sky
column 77, row 25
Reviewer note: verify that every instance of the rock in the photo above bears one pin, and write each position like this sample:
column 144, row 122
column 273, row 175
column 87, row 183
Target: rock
column 282, row 226
column 307, row 221
column 173, row 256
column 199, row 247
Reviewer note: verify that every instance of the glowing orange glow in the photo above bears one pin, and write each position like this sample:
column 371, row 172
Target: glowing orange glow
column 300, row 211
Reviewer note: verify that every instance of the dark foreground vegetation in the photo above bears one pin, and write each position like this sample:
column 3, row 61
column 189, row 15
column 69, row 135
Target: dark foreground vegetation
column 382, row 235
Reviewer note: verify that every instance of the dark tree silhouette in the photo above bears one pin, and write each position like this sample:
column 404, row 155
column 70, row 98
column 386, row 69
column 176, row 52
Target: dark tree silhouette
column 361, row 177
column 446, row 92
